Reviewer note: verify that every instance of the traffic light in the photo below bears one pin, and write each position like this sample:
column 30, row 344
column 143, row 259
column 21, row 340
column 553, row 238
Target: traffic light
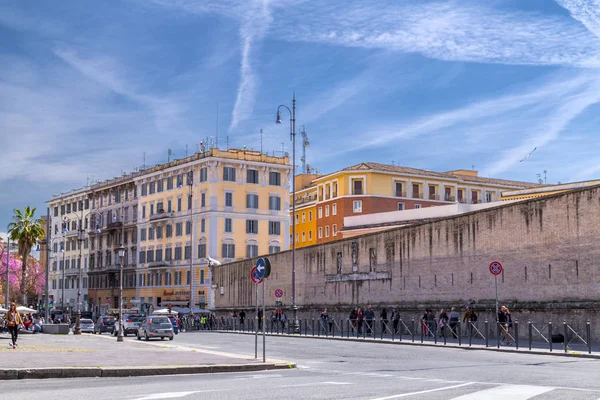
column 170, row 306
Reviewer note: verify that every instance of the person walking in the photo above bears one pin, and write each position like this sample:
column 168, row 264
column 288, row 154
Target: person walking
column 504, row 322
column 395, row 319
column 13, row 320
column 470, row 318
column 369, row 317
column 454, row 321
column 443, row 321
column 384, row 320
column 324, row 320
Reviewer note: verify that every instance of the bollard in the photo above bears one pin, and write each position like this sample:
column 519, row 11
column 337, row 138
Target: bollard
column 348, row 328
column 458, row 333
column 434, row 332
column 588, row 336
column 550, row 334
column 320, row 327
column 517, row 334
column 422, row 331
column 312, row 327
column 383, row 328
column 444, row 333
column 470, row 333
column 413, row 330
column 498, row 331
column 565, row 341
column 487, row 334
column 364, row 329
column 530, row 329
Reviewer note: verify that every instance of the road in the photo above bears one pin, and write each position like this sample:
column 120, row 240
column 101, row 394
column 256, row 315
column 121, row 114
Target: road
column 330, row 369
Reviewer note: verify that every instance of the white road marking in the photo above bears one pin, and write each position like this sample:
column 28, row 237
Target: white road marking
column 397, row 396
column 336, row 383
column 512, row 392
column 315, row 384
column 173, row 395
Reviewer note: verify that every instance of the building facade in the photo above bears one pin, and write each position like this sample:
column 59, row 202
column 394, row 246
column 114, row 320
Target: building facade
column 370, row 188
column 226, row 205
column 113, row 224
column 69, row 249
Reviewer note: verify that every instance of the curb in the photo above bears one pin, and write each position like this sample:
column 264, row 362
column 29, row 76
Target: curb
column 449, row 346
column 121, row 372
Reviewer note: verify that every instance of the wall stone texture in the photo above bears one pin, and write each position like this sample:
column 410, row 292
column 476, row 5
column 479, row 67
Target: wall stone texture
column 549, row 248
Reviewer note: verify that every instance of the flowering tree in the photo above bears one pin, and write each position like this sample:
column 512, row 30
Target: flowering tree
column 35, row 282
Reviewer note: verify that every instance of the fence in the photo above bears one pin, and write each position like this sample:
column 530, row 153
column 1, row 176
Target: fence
column 490, row 334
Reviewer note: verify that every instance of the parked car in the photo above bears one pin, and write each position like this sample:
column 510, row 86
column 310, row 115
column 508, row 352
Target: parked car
column 154, row 327
column 174, row 322
column 105, row 323
column 87, row 325
column 131, row 323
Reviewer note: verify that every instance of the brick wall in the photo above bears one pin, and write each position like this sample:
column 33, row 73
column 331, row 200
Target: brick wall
column 549, row 249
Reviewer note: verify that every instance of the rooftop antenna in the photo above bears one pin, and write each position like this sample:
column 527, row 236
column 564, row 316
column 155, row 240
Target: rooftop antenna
column 218, row 124
column 305, row 143
column 144, row 164
column 545, row 177
column 227, row 142
column 170, row 153
column 261, row 142
column 186, row 150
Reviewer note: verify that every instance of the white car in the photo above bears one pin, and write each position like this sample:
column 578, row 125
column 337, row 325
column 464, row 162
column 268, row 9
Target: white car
column 87, row 325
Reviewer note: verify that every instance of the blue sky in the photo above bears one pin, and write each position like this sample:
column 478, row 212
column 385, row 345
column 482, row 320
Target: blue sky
column 86, row 90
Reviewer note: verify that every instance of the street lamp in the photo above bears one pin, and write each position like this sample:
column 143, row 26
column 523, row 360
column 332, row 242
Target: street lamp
column 190, row 183
column 121, row 253
column 292, row 112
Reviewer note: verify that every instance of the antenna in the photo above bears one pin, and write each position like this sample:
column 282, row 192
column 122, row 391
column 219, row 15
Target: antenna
column 218, row 124
column 545, row 177
column 261, row 142
column 305, row 144
column 186, row 150
column 170, row 153
column 227, row 142
column 144, row 165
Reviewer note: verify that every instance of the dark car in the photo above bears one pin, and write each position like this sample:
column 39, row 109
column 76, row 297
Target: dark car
column 155, row 327
column 105, row 324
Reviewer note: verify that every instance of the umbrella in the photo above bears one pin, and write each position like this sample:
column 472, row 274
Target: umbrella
column 3, row 310
column 23, row 309
column 164, row 311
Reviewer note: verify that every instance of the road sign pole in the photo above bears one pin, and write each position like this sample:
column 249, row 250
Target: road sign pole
column 263, row 315
column 496, row 284
column 256, row 330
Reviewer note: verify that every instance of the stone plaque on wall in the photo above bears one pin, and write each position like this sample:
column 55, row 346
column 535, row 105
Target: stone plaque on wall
column 354, row 256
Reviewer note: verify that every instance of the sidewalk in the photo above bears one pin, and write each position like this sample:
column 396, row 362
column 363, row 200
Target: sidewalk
column 66, row 356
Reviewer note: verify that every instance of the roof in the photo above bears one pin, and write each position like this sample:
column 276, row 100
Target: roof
column 372, row 166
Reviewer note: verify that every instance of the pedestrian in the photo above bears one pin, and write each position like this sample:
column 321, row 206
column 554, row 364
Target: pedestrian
column 359, row 319
column 369, row 317
column 260, row 319
column 274, row 325
column 470, row 317
column 242, row 317
column 504, row 321
column 324, row 320
column 352, row 318
column 443, row 321
column 395, row 319
column 14, row 321
column 384, row 320
column 454, row 321
column 431, row 325
column 282, row 319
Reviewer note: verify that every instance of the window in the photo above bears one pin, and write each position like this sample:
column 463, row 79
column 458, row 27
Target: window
column 202, row 250
column 202, row 199
column 179, row 180
column 228, row 225
column 274, row 179
column 252, row 201
column 274, row 249
column 189, row 202
column 228, row 250
column 150, row 256
column 251, row 251
column 400, row 206
column 159, row 254
column 297, row 238
column 178, row 229
column 252, row 176
column 399, row 191
column 333, row 229
column 252, row 226
column 417, row 206
column 179, row 204
column 143, row 211
column 488, row 197
column 188, row 227
column 334, row 209
column 303, row 237
column 187, row 252
column 151, row 190
column 229, row 174
column 274, row 228
column 177, row 253
column 309, row 236
column 320, row 213
column 415, row 190
column 142, row 234
column 203, row 174
column 170, row 183
column 357, row 186
column 327, row 210
column 169, row 231
column 168, row 254
column 357, row 206
column 327, row 231
column 56, row 215
column 310, row 216
column 142, row 257
column 169, row 205
column 150, row 233
column 320, row 231
column 274, row 203
column 159, row 232
column 159, row 185
column 303, row 217
column 228, row 199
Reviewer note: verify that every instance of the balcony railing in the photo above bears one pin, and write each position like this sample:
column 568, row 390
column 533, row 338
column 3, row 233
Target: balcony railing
column 417, row 195
column 159, row 264
column 433, row 196
column 400, row 194
column 161, row 215
column 114, row 225
column 449, row 198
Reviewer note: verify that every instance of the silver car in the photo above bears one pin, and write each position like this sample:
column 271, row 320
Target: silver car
column 155, row 327
column 87, row 325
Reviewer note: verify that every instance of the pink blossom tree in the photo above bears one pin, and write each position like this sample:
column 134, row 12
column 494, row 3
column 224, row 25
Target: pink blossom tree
column 35, row 282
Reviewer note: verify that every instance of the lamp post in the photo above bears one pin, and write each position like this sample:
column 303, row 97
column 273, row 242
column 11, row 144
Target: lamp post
column 80, row 240
column 121, row 253
column 292, row 112
column 190, row 183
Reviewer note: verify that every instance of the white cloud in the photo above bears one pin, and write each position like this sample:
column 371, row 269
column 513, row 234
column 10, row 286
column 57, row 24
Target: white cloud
column 585, row 11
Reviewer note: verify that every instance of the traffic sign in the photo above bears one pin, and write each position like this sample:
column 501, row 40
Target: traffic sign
column 496, row 268
column 261, row 267
column 254, row 276
column 278, row 293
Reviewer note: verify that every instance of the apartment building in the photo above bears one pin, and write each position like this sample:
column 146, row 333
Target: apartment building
column 113, row 224
column 69, row 249
column 227, row 205
column 369, row 188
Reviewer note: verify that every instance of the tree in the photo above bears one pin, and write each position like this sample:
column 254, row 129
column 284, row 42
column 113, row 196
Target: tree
column 26, row 230
column 36, row 275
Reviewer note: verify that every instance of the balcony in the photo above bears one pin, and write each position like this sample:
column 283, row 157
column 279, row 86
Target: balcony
column 449, row 198
column 114, row 225
column 159, row 264
column 400, row 194
column 417, row 195
column 161, row 215
column 433, row 196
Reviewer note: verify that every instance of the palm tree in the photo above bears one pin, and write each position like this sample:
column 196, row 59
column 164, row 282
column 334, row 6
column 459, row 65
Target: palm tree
column 26, row 230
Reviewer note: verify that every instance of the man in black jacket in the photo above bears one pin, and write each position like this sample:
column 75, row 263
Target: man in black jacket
column 369, row 317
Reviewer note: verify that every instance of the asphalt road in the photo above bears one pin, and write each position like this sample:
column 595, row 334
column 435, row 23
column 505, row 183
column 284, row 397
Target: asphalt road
column 344, row 370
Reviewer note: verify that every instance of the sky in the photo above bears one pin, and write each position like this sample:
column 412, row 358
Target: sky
column 90, row 90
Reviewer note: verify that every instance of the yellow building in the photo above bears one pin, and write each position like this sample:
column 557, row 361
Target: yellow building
column 306, row 211
column 226, row 205
column 370, row 188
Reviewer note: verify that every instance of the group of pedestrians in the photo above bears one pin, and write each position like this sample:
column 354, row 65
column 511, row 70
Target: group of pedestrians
column 445, row 323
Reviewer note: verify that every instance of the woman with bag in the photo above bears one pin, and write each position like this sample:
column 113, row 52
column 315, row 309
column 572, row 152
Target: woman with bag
column 13, row 320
